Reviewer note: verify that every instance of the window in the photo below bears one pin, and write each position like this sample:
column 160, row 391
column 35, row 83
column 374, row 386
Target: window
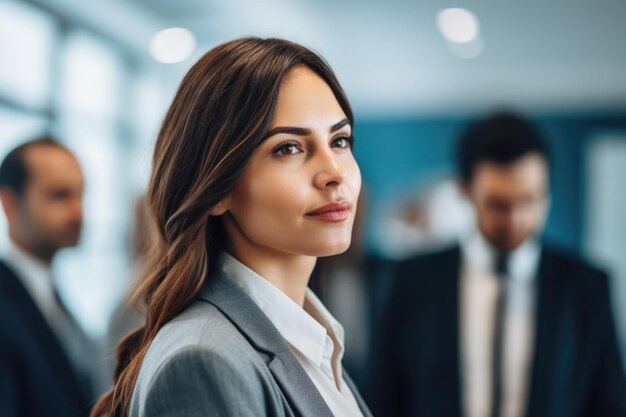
column 27, row 41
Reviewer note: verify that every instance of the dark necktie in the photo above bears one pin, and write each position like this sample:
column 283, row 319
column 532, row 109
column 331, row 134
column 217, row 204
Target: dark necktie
column 501, row 265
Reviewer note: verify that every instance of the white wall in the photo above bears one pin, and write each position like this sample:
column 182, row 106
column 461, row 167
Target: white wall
column 606, row 215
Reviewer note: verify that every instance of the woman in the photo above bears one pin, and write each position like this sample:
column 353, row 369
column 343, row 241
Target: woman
column 253, row 179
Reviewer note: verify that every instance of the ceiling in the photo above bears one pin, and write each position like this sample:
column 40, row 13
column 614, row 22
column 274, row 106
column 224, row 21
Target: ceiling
column 542, row 56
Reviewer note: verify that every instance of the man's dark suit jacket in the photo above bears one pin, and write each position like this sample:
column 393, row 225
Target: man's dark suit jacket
column 36, row 377
column 576, row 369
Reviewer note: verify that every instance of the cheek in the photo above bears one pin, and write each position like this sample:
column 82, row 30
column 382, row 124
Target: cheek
column 36, row 212
column 268, row 200
column 486, row 215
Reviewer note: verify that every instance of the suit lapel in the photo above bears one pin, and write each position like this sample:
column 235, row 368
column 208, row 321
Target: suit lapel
column 450, row 311
column 235, row 304
column 297, row 385
column 546, row 363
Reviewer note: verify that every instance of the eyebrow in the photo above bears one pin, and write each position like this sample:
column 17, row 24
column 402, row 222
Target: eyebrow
column 298, row 131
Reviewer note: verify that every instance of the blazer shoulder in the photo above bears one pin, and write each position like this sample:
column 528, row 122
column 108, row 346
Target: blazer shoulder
column 573, row 272
column 201, row 327
column 14, row 299
column 199, row 354
column 575, row 268
column 9, row 282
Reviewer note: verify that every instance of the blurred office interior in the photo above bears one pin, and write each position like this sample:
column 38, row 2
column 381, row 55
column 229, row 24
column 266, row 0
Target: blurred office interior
column 99, row 76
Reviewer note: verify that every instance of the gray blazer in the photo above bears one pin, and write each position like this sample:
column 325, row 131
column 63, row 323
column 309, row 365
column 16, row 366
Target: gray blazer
column 222, row 356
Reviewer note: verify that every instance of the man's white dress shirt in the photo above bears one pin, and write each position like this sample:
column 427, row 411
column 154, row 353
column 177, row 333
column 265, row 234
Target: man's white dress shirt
column 478, row 290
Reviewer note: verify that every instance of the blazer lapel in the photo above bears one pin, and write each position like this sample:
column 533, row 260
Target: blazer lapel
column 297, row 385
column 235, row 304
column 550, row 333
column 452, row 333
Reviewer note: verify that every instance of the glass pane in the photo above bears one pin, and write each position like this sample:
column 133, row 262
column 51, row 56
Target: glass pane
column 27, row 39
column 17, row 127
column 605, row 222
column 95, row 273
column 91, row 78
column 148, row 109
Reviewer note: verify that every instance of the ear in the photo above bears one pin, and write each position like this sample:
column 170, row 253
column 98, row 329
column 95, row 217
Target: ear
column 220, row 208
column 9, row 202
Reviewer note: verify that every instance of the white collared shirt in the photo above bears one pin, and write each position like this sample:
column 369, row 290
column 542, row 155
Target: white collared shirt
column 479, row 288
column 314, row 336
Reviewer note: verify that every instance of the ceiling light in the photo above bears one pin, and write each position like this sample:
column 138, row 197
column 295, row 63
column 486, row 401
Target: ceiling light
column 172, row 45
column 458, row 25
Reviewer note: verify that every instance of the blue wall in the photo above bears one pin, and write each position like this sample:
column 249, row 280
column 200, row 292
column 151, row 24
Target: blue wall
column 396, row 156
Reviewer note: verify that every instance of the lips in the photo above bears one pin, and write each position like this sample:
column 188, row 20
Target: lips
column 332, row 212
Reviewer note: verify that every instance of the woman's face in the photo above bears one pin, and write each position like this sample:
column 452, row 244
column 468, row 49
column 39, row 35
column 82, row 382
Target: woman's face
column 299, row 192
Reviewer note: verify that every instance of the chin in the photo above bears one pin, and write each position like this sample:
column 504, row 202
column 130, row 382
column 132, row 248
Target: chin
column 331, row 250
column 511, row 245
column 69, row 243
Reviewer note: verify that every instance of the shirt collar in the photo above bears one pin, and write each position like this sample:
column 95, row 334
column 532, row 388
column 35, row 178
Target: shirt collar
column 306, row 329
column 523, row 261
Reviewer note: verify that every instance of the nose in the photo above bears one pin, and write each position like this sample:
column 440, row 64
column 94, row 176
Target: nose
column 516, row 218
column 330, row 173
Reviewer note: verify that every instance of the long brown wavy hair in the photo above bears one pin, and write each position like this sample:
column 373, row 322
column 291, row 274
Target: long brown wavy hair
column 221, row 113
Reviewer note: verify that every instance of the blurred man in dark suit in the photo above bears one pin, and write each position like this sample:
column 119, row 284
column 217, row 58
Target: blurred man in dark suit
column 502, row 324
column 42, row 361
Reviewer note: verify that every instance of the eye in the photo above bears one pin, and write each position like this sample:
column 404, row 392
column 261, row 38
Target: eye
column 343, row 142
column 287, row 149
column 59, row 195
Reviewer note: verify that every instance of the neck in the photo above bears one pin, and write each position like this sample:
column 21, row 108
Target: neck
column 40, row 254
column 288, row 272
